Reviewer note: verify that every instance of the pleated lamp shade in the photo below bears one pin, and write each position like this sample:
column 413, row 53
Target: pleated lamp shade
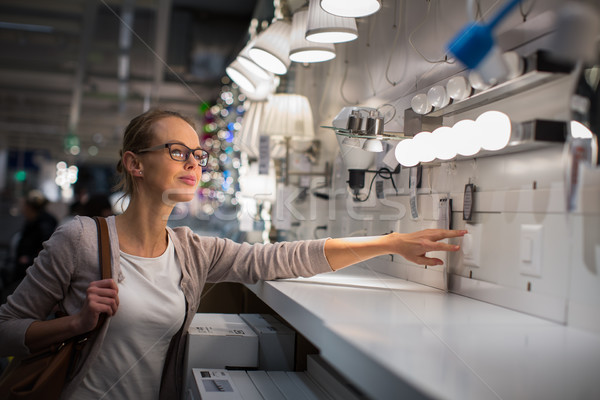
column 301, row 50
column 247, row 139
column 289, row 115
column 323, row 27
column 246, row 61
column 351, row 8
column 272, row 48
column 245, row 79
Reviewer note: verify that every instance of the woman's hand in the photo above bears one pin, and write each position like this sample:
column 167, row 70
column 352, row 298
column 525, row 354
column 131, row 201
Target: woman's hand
column 413, row 246
column 102, row 297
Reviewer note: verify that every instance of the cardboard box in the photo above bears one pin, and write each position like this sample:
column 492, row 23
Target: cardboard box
column 220, row 341
column 276, row 342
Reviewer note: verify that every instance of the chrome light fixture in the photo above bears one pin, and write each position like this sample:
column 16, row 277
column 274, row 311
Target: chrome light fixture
column 272, row 48
column 351, row 8
column 301, row 50
column 323, row 27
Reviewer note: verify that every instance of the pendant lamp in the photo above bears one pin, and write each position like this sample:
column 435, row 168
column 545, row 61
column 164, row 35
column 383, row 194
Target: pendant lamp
column 272, row 48
column 301, row 50
column 323, row 27
column 246, row 61
column 351, row 8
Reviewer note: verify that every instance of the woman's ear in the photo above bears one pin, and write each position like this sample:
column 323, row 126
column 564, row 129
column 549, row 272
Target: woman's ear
column 132, row 164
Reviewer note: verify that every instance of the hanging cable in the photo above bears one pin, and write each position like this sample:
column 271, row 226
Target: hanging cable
column 397, row 27
column 383, row 173
column 525, row 14
column 445, row 59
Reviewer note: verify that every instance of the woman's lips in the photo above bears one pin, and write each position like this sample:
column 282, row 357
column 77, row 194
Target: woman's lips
column 189, row 180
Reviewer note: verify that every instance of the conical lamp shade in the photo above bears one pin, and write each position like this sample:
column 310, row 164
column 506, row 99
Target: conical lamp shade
column 351, row 8
column 323, row 27
column 272, row 48
column 301, row 50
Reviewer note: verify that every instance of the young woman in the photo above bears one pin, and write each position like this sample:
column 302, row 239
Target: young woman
column 158, row 272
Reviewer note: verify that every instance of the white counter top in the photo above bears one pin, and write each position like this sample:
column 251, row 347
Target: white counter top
column 393, row 337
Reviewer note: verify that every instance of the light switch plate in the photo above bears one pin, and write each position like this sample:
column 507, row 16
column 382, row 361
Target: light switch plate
column 471, row 245
column 530, row 250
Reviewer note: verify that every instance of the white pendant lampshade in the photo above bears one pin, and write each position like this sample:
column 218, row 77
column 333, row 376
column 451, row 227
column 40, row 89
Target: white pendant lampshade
column 245, row 79
column 301, row 50
column 248, row 137
column 323, row 27
column 246, row 61
column 289, row 115
column 351, row 8
column 272, row 48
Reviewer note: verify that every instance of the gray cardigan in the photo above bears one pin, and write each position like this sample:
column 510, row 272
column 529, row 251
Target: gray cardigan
column 63, row 270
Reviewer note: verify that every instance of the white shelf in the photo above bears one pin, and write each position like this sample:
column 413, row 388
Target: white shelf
column 392, row 337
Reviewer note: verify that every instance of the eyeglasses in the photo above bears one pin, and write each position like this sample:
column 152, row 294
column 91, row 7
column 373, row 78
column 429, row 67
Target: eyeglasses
column 180, row 152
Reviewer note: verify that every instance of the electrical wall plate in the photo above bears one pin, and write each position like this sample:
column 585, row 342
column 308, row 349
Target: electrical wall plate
column 471, row 245
column 530, row 251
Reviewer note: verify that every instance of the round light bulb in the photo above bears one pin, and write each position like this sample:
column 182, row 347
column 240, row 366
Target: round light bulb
column 458, row 88
column 405, row 154
column 495, row 129
column 468, row 137
column 419, row 104
column 437, row 97
column 515, row 64
column 423, row 145
column 477, row 81
column 373, row 145
column 444, row 142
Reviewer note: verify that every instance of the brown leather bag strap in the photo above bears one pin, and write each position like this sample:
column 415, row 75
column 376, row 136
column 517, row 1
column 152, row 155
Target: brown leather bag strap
column 104, row 247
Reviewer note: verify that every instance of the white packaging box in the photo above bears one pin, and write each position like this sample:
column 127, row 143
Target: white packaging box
column 276, row 342
column 221, row 384
column 220, row 341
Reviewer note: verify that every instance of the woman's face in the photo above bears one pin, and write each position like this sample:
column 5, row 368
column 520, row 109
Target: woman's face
column 174, row 181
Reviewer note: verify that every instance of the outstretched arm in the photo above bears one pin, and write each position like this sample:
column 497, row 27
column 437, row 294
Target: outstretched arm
column 412, row 246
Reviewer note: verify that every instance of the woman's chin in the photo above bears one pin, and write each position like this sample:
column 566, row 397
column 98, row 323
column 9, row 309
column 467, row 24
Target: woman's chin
column 178, row 196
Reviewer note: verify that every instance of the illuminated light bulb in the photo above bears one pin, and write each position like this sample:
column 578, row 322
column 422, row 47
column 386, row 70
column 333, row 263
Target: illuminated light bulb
column 495, row 129
column 323, row 27
column 405, row 153
column 515, row 64
column 437, row 97
column 580, row 131
column 419, row 104
column 423, row 145
column 468, row 137
column 373, row 145
column 458, row 88
column 351, row 8
column 444, row 143
column 477, row 81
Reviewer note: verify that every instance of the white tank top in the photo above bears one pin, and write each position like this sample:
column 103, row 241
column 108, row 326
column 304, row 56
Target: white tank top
column 151, row 310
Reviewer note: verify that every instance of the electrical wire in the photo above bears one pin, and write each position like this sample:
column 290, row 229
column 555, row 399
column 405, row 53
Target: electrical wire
column 525, row 14
column 445, row 59
column 383, row 173
column 397, row 27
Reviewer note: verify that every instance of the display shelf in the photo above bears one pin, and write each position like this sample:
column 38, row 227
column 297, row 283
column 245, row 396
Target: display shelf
column 397, row 136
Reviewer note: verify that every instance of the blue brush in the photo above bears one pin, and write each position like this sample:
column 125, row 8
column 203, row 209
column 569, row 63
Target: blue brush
column 475, row 40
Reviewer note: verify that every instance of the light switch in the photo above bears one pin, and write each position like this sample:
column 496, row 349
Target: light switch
column 531, row 250
column 471, row 245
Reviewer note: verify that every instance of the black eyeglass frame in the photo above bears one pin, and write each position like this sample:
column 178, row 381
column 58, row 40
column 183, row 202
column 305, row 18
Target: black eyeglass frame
column 202, row 162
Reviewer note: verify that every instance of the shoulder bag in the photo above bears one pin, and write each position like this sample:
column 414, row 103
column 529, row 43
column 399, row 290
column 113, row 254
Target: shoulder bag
column 44, row 374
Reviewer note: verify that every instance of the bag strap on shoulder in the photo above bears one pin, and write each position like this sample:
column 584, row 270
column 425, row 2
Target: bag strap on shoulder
column 104, row 247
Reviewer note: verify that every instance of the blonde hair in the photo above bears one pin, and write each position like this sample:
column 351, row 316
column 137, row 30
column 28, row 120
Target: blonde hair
column 138, row 135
